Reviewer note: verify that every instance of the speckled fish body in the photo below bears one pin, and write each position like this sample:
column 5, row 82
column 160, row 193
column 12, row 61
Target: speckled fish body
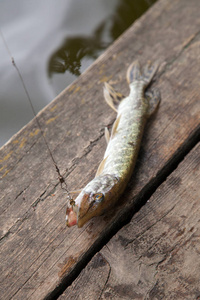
column 122, row 149
column 121, row 153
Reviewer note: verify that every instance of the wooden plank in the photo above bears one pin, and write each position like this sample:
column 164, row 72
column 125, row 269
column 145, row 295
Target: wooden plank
column 155, row 256
column 91, row 282
column 38, row 253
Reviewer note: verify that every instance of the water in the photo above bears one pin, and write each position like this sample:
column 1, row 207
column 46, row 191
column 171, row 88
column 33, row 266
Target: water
column 52, row 43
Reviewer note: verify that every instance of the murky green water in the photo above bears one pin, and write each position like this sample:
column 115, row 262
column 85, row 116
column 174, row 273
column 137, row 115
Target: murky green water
column 53, row 42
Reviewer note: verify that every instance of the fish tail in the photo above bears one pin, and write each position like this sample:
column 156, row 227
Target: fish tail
column 134, row 72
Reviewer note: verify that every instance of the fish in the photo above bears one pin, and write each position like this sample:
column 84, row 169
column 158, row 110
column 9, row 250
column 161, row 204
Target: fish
column 123, row 144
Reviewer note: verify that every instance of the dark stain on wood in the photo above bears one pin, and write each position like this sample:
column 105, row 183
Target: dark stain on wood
column 122, row 291
column 66, row 266
column 98, row 261
column 180, row 232
column 124, row 241
column 157, row 292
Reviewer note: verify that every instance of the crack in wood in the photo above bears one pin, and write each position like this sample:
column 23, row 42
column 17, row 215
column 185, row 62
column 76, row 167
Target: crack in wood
column 107, row 279
column 146, row 193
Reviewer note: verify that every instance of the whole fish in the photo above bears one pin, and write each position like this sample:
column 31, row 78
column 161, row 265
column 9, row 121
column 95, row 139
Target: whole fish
column 123, row 145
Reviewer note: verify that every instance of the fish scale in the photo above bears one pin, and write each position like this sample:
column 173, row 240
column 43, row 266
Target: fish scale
column 129, row 130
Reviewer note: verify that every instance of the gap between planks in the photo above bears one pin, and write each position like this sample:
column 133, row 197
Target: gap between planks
column 126, row 217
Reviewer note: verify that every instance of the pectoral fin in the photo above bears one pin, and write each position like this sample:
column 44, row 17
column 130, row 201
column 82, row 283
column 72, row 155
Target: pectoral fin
column 112, row 97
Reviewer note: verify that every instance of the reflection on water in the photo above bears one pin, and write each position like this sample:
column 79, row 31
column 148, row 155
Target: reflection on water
column 74, row 49
column 69, row 57
column 52, row 43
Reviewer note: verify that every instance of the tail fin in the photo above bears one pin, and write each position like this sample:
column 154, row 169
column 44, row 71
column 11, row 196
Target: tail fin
column 134, row 73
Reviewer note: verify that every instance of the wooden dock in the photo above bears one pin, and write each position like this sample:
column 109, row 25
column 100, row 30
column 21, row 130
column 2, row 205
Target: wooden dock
column 149, row 246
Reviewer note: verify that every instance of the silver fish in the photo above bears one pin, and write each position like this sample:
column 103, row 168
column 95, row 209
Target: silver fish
column 115, row 170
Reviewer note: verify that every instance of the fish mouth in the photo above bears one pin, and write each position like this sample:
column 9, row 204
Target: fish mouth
column 78, row 214
column 73, row 219
column 88, row 212
column 71, row 216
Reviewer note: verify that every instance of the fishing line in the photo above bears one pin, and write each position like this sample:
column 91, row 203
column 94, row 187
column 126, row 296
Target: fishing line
column 60, row 177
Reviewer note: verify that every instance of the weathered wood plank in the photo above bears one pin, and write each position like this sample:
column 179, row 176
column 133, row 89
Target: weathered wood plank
column 155, row 256
column 37, row 251
column 91, row 282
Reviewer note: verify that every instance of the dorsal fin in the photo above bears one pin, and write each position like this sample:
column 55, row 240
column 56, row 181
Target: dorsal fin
column 101, row 167
column 115, row 125
column 112, row 97
column 107, row 135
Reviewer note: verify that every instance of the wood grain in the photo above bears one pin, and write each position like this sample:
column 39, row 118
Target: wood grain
column 155, row 256
column 38, row 253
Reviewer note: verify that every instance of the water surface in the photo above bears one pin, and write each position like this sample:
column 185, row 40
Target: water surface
column 52, row 43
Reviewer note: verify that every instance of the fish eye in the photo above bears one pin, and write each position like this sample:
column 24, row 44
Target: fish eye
column 98, row 197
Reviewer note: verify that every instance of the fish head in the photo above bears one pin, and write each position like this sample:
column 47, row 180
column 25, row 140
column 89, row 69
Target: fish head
column 91, row 206
column 93, row 200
